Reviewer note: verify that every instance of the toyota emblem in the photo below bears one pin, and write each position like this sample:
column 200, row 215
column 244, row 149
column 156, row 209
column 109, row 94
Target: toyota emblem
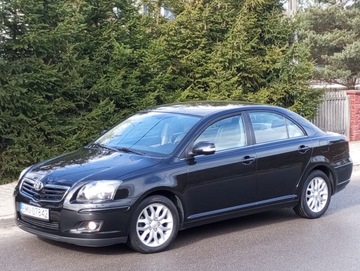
column 38, row 185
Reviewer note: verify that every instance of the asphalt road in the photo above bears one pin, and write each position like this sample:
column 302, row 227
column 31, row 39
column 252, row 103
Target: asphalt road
column 276, row 240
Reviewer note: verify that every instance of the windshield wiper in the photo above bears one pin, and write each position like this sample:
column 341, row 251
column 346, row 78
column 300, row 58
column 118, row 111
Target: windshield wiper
column 122, row 149
column 104, row 147
column 128, row 150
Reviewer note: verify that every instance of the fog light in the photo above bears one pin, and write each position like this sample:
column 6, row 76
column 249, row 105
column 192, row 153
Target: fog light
column 88, row 226
column 92, row 225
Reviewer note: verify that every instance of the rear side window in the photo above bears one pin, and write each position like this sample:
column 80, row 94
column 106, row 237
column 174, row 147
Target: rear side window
column 270, row 126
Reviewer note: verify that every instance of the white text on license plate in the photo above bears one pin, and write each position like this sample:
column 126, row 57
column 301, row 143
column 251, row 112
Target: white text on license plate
column 33, row 211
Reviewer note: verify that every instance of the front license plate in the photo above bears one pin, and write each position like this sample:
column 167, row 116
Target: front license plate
column 33, row 211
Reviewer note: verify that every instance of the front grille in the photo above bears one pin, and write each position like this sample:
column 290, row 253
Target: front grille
column 42, row 224
column 49, row 193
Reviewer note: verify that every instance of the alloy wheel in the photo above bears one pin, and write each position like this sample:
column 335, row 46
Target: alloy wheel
column 155, row 225
column 317, row 193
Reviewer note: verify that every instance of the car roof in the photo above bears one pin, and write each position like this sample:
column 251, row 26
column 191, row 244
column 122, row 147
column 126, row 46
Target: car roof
column 208, row 108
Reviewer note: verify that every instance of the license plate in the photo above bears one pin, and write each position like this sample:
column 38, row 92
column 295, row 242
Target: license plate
column 33, row 211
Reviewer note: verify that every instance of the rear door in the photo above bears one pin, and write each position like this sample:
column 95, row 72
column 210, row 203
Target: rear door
column 283, row 150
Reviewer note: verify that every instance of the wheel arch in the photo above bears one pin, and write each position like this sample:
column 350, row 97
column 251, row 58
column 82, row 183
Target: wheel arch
column 175, row 199
column 314, row 199
column 326, row 170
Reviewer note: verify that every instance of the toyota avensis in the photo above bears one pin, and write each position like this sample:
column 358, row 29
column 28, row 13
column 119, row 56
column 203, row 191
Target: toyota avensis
column 182, row 165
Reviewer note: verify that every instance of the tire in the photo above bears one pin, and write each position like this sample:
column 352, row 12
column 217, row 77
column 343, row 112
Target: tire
column 154, row 225
column 315, row 196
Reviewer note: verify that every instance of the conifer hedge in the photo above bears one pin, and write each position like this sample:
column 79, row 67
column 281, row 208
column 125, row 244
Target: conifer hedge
column 69, row 69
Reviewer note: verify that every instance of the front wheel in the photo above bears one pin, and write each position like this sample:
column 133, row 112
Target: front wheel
column 154, row 226
column 315, row 195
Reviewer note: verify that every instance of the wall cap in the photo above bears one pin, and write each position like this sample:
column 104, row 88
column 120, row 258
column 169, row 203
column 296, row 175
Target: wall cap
column 353, row 92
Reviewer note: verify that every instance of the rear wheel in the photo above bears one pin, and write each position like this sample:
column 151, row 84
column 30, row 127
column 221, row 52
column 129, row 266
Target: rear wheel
column 315, row 195
column 154, row 226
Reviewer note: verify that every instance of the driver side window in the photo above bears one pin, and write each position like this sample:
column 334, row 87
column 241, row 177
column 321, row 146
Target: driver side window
column 226, row 134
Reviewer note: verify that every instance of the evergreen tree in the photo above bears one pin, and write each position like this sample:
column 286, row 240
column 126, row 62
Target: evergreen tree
column 333, row 34
column 68, row 69
column 29, row 82
column 275, row 67
column 233, row 50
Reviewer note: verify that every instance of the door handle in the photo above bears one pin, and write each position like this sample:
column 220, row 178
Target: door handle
column 303, row 149
column 247, row 160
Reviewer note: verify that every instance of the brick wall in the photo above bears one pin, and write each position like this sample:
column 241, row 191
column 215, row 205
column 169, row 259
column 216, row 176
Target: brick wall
column 354, row 101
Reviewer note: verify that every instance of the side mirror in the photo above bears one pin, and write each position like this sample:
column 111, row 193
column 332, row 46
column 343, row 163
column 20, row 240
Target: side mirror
column 204, row 148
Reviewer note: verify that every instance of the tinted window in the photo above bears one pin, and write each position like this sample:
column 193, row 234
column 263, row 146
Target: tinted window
column 226, row 134
column 271, row 126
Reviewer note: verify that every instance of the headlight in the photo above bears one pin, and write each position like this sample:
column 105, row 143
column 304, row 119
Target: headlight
column 23, row 173
column 98, row 191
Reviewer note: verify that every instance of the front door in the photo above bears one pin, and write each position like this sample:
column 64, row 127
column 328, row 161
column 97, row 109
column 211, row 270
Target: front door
column 225, row 181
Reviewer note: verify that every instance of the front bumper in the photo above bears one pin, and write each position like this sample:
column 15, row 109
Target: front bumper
column 87, row 242
column 65, row 225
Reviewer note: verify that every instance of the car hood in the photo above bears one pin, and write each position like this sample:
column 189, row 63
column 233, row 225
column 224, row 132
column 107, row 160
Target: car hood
column 89, row 164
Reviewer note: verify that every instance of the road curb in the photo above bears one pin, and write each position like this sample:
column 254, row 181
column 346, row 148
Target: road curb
column 356, row 168
column 7, row 222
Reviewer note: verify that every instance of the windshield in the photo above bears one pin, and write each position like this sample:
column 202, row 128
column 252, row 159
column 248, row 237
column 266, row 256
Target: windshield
column 149, row 132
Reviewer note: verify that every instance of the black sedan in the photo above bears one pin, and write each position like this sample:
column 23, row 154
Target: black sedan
column 182, row 165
